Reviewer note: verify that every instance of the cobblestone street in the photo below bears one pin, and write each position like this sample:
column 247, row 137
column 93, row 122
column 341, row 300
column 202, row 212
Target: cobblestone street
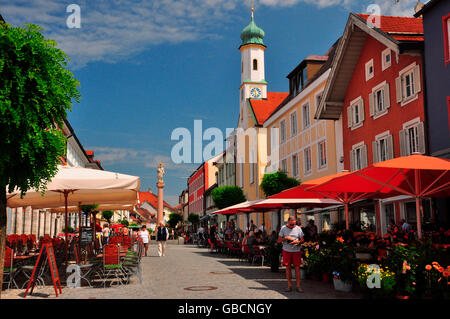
column 188, row 266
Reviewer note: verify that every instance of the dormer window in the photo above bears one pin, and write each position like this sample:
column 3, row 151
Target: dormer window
column 255, row 65
column 298, row 81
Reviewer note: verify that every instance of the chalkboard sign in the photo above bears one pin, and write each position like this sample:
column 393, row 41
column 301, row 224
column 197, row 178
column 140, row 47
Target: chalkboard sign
column 53, row 269
column 87, row 235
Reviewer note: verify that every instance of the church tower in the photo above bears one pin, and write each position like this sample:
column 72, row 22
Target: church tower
column 253, row 83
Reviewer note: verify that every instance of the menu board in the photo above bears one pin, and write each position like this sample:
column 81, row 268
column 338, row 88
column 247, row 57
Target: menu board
column 46, row 248
column 87, row 235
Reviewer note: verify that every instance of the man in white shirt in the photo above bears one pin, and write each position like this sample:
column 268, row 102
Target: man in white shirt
column 292, row 236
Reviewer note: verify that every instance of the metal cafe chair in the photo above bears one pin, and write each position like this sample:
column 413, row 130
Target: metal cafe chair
column 27, row 270
column 112, row 266
column 9, row 270
column 132, row 262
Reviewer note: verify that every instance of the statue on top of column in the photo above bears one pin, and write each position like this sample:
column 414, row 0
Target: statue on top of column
column 161, row 172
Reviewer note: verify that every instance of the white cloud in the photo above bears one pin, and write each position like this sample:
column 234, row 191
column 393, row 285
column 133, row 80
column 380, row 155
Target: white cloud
column 115, row 30
column 402, row 8
column 144, row 158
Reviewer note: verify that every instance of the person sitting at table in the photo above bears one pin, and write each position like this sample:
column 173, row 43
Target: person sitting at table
column 251, row 242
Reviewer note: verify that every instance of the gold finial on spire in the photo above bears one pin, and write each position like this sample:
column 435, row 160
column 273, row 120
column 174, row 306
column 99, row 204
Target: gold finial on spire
column 253, row 9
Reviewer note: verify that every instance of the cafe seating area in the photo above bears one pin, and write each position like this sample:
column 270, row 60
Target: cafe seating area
column 99, row 265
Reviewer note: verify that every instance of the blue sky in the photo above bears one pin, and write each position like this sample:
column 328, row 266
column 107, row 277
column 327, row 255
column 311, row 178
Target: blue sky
column 148, row 67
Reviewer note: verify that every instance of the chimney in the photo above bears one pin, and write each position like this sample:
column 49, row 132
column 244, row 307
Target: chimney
column 419, row 5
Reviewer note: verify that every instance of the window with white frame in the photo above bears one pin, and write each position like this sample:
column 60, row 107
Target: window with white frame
column 283, row 131
column 295, row 165
column 408, row 84
column 386, row 59
column 305, row 113
column 284, row 165
column 369, row 70
column 358, row 157
column 383, row 148
column 307, row 160
column 293, row 123
column 379, row 100
column 412, row 138
column 318, row 99
column 322, row 154
column 355, row 113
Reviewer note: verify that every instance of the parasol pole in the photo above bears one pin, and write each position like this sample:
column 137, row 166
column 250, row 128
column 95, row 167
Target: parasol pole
column 418, row 204
column 346, row 211
column 66, row 194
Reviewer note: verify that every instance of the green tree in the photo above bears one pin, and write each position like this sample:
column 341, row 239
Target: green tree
column 174, row 219
column 108, row 214
column 124, row 222
column 194, row 219
column 91, row 210
column 273, row 183
column 226, row 196
column 36, row 91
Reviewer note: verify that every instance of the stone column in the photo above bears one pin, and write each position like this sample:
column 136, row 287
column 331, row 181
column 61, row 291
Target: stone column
column 41, row 223
column 35, row 225
column 8, row 220
column 27, row 220
column 318, row 221
column 160, row 213
column 48, row 222
column 19, row 221
column 12, row 229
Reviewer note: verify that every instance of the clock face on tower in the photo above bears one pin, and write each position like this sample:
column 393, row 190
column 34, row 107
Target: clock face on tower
column 255, row 93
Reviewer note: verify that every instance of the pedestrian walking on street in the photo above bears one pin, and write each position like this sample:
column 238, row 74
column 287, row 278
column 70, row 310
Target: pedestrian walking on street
column 162, row 234
column 291, row 236
column 145, row 236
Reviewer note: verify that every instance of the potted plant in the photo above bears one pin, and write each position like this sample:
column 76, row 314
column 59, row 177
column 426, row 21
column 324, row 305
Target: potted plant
column 366, row 275
column 313, row 264
column 344, row 265
column 437, row 281
column 403, row 261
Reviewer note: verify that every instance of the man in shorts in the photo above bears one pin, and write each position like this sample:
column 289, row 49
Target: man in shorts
column 292, row 236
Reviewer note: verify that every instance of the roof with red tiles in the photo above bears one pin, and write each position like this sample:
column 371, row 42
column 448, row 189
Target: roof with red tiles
column 152, row 199
column 144, row 212
column 400, row 28
column 262, row 108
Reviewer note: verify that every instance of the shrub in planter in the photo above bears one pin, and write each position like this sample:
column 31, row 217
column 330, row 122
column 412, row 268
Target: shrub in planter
column 403, row 262
column 386, row 277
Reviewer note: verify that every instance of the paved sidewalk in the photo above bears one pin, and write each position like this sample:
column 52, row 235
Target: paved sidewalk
column 195, row 268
